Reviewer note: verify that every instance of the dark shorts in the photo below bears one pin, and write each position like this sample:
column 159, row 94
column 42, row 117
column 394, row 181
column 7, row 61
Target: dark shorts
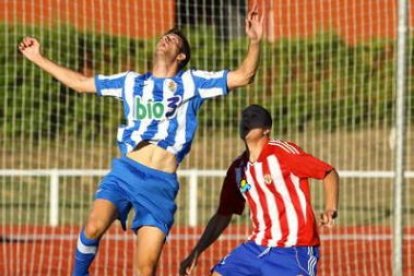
column 252, row 259
column 150, row 192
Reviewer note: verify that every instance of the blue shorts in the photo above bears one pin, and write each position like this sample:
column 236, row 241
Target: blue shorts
column 252, row 259
column 150, row 192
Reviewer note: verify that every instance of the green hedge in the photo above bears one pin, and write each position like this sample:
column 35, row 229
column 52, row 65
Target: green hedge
column 319, row 81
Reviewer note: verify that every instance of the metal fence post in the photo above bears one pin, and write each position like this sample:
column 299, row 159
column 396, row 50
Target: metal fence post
column 54, row 199
column 399, row 156
column 192, row 199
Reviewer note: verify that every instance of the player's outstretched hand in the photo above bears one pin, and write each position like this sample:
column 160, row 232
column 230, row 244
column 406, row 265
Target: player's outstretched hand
column 327, row 218
column 187, row 266
column 30, row 48
column 254, row 24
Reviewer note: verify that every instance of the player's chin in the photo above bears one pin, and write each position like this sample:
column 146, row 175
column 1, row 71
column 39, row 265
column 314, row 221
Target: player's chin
column 161, row 49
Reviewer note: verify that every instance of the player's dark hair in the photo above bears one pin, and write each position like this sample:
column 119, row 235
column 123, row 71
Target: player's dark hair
column 254, row 116
column 185, row 47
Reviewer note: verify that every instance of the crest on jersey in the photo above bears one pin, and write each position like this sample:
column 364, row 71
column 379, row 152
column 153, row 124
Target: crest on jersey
column 244, row 186
column 171, row 85
column 268, row 179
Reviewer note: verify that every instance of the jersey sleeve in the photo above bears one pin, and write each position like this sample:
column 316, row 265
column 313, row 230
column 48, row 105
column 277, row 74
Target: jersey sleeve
column 231, row 200
column 110, row 85
column 210, row 84
column 303, row 164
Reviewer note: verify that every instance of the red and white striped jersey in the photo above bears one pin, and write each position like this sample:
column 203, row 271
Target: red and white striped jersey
column 276, row 189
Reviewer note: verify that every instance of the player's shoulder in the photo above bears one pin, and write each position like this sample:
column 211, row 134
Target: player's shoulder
column 203, row 74
column 133, row 73
column 124, row 75
column 112, row 76
column 282, row 146
column 239, row 161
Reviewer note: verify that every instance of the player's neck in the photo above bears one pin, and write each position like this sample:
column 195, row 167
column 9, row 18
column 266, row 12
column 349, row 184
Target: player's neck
column 255, row 148
column 163, row 69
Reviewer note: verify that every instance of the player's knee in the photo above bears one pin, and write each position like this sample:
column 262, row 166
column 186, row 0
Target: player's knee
column 145, row 270
column 94, row 229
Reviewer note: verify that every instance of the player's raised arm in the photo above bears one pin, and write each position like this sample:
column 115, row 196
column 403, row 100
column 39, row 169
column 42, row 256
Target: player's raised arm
column 30, row 48
column 245, row 73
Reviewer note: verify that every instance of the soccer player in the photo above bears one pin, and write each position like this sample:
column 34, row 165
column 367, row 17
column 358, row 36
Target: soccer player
column 160, row 109
column 272, row 177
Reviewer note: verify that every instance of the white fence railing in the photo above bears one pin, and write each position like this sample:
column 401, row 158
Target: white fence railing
column 191, row 175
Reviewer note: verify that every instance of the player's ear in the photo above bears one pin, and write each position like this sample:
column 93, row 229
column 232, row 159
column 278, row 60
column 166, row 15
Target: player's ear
column 181, row 57
column 266, row 132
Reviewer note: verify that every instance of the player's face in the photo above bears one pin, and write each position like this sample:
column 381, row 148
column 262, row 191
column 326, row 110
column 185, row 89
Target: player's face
column 169, row 45
column 256, row 134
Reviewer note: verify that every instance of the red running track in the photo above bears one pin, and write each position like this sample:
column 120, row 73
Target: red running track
column 28, row 250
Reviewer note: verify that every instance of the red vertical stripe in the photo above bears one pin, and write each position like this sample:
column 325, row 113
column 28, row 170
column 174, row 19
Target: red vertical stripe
column 263, row 204
column 253, row 215
column 296, row 203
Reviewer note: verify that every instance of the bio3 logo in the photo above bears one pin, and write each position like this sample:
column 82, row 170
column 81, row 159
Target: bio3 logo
column 156, row 110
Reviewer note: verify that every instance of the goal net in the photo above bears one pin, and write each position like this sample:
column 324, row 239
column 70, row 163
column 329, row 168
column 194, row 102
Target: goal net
column 327, row 75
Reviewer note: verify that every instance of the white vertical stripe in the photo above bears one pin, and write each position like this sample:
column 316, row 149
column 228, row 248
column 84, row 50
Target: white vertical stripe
column 275, row 230
column 312, row 261
column 129, row 148
column 189, row 89
column 162, row 132
column 147, row 95
column 259, row 210
column 129, row 95
column 291, row 215
column 313, row 266
column 189, row 86
column 309, row 260
column 120, row 134
column 300, row 193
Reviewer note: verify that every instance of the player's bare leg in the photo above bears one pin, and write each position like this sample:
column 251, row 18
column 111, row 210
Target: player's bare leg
column 150, row 241
column 101, row 216
column 215, row 274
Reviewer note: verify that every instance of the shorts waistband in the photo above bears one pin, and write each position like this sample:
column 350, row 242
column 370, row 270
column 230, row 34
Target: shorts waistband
column 147, row 169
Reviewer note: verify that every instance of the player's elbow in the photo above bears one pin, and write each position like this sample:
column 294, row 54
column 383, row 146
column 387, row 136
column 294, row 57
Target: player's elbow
column 246, row 81
column 334, row 175
column 80, row 90
column 241, row 79
column 250, row 79
column 84, row 85
column 247, row 77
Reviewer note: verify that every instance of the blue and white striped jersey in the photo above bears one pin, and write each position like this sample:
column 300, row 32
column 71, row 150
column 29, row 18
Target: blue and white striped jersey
column 161, row 111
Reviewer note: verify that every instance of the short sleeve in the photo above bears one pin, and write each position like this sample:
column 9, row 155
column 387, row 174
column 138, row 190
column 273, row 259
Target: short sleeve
column 110, row 85
column 302, row 164
column 210, row 84
column 231, row 200
column 306, row 165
